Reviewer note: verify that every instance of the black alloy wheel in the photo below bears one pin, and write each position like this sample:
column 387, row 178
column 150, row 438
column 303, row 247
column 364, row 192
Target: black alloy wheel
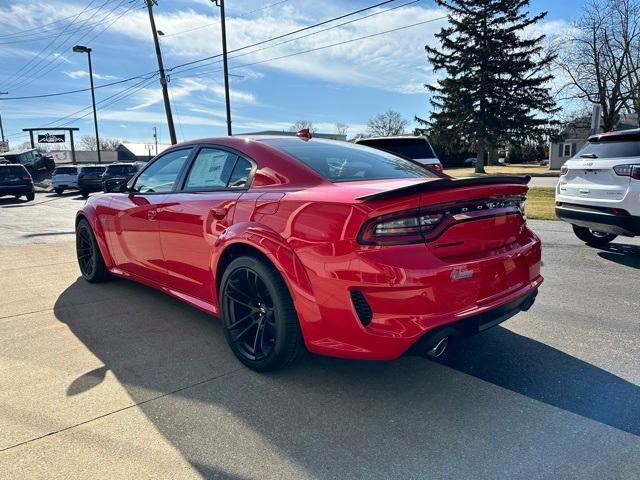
column 90, row 259
column 260, row 322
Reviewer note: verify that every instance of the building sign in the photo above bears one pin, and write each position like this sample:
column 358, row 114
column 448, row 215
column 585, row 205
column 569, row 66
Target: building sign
column 51, row 138
column 4, row 147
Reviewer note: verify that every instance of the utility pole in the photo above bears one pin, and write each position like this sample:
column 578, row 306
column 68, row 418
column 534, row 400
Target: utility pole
column 225, row 66
column 87, row 50
column 163, row 78
column 155, row 138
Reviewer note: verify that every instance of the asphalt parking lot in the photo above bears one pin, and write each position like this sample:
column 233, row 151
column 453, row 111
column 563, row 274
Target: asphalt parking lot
column 120, row 381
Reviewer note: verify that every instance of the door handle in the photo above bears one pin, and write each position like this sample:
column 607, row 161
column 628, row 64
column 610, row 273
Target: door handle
column 151, row 214
column 219, row 213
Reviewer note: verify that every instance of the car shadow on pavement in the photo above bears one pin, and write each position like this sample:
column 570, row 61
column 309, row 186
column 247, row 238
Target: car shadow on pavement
column 351, row 419
column 627, row 255
column 14, row 202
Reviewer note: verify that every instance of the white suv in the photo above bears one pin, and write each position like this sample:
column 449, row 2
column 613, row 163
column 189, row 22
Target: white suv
column 415, row 147
column 64, row 178
column 599, row 188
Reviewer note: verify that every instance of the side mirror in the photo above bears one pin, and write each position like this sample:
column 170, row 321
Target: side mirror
column 116, row 185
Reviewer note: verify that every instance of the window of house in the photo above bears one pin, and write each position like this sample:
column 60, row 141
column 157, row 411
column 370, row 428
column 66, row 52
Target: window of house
column 566, row 150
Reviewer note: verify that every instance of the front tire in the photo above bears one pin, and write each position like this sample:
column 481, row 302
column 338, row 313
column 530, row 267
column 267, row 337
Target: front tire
column 591, row 237
column 260, row 321
column 90, row 259
column 31, row 196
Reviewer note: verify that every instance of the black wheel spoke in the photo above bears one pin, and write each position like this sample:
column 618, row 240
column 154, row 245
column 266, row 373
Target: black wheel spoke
column 250, row 314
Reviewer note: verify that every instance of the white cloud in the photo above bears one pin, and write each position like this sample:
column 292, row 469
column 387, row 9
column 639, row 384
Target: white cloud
column 82, row 73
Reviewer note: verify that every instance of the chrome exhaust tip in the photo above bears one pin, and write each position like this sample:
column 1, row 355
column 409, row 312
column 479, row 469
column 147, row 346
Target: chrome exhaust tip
column 439, row 348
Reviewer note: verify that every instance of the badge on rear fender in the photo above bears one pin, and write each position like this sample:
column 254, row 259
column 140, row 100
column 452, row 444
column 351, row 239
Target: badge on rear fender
column 460, row 274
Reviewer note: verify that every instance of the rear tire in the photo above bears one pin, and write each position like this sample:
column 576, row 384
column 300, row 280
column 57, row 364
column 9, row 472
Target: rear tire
column 58, row 191
column 90, row 259
column 260, row 321
column 31, row 196
column 84, row 194
column 17, row 196
column 591, row 237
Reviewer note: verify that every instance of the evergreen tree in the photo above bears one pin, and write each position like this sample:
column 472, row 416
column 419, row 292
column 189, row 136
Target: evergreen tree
column 495, row 87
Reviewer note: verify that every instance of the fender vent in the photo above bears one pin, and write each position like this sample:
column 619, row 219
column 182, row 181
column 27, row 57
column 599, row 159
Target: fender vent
column 362, row 307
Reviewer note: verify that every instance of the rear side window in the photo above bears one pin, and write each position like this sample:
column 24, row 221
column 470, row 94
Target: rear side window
column 413, row 148
column 609, row 149
column 65, row 171
column 341, row 162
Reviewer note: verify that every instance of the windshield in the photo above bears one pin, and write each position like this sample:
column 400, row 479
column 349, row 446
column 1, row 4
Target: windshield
column 11, row 171
column 120, row 169
column 341, row 162
column 408, row 147
column 610, row 149
column 65, row 171
column 92, row 169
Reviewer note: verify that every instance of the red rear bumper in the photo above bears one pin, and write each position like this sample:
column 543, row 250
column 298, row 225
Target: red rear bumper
column 410, row 293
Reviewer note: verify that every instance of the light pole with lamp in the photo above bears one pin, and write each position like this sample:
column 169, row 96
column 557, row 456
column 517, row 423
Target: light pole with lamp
column 87, row 50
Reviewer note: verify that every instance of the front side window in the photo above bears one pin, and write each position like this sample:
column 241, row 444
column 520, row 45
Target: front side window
column 162, row 174
column 342, row 161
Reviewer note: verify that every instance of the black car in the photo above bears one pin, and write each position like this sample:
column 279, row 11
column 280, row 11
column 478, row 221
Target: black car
column 32, row 159
column 16, row 180
column 120, row 170
column 90, row 179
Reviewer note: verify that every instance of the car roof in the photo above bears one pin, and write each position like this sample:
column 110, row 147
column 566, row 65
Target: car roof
column 392, row 137
column 628, row 135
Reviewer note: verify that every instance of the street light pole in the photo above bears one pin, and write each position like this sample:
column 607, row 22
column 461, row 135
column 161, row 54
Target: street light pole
column 87, row 50
column 225, row 66
column 1, row 127
column 163, row 78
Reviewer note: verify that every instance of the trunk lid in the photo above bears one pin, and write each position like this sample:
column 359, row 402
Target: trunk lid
column 595, row 179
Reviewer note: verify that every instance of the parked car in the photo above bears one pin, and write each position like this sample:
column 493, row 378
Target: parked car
column 120, row 170
column 599, row 188
column 64, row 178
column 470, row 162
column 90, row 179
column 301, row 243
column 16, row 180
column 416, row 148
column 32, row 159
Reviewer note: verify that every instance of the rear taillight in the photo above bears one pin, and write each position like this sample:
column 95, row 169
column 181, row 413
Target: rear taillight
column 437, row 167
column 422, row 224
column 564, row 170
column 628, row 170
column 26, row 176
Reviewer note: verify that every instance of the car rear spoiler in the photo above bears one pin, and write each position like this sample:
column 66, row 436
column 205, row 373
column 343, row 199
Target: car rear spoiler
column 445, row 183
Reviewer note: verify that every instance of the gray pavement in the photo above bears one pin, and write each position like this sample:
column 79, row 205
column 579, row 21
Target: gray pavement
column 543, row 182
column 120, row 381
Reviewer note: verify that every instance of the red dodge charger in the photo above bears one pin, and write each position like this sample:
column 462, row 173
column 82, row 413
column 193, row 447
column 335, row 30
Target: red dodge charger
column 308, row 244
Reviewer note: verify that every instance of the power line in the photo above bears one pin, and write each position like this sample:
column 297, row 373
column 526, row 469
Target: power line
column 303, row 36
column 40, row 27
column 58, row 60
column 16, row 77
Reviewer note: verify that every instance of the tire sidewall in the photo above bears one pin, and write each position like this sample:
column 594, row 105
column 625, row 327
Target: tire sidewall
column 273, row 282
column 84, row 225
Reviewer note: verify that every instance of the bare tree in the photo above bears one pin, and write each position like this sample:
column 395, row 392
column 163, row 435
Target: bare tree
column 342, row 129
column 387, row 124
column 301, row 125
column 88, row 142
column 601, row 57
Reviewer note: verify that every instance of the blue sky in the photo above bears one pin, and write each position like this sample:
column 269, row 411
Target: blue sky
column 343, row 84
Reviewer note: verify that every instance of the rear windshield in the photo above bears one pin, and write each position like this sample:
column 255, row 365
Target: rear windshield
column 65, row 171
column 92, row 169
column 408, row 147
column 341, row 162
column 119, row 169
column 11, row 171
column 610, row 149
